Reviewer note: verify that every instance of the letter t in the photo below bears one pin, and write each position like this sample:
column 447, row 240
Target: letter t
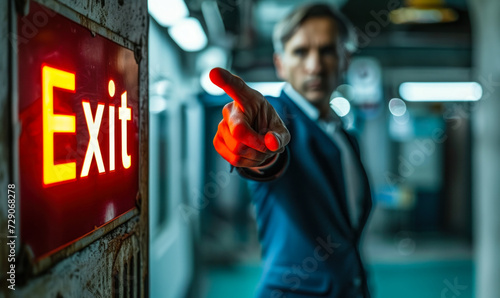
column 125, row 114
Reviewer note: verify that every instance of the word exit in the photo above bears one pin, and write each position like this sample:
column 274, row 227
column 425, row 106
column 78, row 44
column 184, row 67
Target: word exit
column 60, row 123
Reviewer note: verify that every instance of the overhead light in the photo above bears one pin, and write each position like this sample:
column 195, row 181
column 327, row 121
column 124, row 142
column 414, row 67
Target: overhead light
column 161, row 87
column 403, row 119
column 157, row 104
column 268, row 88
column 341, row 106
column 397, row 107
column 208, row 86
column 458, row 91
column 167, row 13
column 188, row 34
column 425, row 3
column 416, row 15
column 158, row 93
column 211, row 57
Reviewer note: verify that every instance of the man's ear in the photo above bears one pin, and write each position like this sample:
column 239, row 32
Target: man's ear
column 278, row 64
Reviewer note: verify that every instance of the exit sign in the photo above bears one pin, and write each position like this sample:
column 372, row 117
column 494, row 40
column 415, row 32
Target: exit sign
column 79, row 140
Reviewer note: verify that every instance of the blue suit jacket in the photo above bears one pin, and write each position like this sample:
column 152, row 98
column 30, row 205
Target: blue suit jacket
column 309, row 247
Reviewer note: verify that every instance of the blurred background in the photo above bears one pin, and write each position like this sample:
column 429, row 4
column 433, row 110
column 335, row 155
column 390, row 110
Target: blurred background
column 421, row 93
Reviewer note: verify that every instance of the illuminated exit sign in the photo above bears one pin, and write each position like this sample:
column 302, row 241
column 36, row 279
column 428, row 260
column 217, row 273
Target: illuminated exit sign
column 79, row 130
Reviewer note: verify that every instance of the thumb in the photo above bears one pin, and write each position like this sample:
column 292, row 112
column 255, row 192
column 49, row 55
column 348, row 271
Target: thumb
column 272, row 141
column 278, row 135
column 276, row 140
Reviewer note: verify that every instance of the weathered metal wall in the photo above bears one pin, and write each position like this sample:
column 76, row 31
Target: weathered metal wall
column 113, row 261
column 6, row 175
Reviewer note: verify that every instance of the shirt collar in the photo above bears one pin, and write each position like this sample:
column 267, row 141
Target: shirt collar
column 310, row 110
column 301, row 102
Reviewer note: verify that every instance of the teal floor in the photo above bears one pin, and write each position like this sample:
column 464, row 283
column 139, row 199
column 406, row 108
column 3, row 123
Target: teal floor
column 442, row 279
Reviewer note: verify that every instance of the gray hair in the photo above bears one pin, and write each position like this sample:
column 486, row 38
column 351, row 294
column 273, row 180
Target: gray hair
column 286, row 28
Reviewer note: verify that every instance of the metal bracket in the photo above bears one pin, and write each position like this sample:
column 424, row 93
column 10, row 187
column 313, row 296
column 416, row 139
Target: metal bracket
column 138, row 201
column 138, row 53
column 22, row 7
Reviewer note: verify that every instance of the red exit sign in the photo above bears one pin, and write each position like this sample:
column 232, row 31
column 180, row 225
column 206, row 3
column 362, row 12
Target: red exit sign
column 54, row 123
column 79, row 140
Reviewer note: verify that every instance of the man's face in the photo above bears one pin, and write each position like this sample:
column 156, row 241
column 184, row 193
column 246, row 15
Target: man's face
column 313, row 60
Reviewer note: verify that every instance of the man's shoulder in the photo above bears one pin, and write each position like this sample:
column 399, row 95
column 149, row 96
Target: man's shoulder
column 288, row 111
column 280, row 100
column 282, row 104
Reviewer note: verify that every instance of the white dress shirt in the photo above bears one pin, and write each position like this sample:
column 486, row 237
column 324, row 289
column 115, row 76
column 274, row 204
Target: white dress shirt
column 332, row 126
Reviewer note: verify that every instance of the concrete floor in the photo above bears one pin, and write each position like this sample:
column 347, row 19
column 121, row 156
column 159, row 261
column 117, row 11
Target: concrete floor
column 425, row 279
column 406, row 267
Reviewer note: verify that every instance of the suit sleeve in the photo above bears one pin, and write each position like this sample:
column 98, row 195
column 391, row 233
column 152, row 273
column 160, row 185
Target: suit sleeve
column 273, row 172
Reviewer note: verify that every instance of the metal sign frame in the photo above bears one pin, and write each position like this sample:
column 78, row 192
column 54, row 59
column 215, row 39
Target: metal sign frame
column 122, row 244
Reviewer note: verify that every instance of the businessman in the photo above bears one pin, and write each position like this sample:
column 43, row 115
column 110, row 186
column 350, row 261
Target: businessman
column 309, row 187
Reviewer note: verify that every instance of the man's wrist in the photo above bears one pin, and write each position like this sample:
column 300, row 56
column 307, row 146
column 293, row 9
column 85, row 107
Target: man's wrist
column 271, row 170
column 266, row 165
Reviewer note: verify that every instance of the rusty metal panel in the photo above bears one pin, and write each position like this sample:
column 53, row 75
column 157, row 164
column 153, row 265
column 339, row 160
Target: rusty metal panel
column 119, row 23
column 118, row 16
column 91, row 271
column 112, row 261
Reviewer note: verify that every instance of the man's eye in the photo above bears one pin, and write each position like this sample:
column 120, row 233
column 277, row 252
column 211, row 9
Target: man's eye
column 328, row 51
column 299, row 52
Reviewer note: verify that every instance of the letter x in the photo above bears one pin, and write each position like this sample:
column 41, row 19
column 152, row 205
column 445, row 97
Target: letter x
column 93, row 147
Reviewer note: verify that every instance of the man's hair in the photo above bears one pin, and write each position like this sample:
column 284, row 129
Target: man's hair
column 286, row 28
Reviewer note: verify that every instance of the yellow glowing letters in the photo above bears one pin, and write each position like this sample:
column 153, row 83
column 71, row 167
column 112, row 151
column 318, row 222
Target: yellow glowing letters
column 112, row 137
column 124, row 115
column 53, row 123
column 93, row 148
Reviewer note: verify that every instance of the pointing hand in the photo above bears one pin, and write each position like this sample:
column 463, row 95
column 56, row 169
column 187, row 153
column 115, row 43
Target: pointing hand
column 251, row 133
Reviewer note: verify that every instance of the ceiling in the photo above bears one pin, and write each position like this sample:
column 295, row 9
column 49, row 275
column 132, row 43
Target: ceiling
column 244, row 27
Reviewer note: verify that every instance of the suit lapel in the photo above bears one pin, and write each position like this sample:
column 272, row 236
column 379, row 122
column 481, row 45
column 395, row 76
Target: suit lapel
column 327, row 148
column 367, row 202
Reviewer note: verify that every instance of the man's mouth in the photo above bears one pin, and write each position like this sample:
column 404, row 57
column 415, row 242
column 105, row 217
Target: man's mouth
column 315, row 84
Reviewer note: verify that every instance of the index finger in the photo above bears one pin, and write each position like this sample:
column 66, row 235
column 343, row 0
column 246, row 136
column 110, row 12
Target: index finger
column 233, row 86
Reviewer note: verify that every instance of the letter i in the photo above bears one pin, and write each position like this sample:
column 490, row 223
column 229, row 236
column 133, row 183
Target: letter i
column 111, row 89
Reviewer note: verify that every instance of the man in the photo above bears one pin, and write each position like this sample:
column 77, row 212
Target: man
column 311, row 192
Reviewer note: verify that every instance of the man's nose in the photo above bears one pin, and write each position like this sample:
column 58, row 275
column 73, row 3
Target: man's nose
column 313, row 63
